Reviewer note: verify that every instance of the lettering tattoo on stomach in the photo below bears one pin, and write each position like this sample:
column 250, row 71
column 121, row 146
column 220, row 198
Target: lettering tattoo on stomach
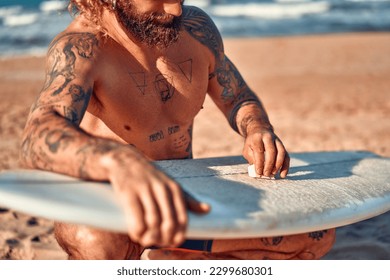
column 180, row 141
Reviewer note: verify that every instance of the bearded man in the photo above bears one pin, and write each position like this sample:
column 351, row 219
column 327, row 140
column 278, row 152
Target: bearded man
column 124, row 83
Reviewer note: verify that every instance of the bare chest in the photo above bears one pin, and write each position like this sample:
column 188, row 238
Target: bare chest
column 138, row 100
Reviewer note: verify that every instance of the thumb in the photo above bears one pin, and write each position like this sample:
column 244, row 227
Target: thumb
column 195, row 205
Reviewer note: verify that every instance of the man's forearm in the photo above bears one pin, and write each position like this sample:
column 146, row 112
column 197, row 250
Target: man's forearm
column 53, row 143
column 249, row 114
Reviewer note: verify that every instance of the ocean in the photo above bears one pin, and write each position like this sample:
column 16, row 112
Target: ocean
column 28, row 26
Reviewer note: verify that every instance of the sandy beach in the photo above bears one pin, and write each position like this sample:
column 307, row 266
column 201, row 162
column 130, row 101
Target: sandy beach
column 322, row 93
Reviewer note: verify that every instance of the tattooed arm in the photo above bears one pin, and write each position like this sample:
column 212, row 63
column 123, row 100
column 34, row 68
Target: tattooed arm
column 237, row 101
column 53, row 140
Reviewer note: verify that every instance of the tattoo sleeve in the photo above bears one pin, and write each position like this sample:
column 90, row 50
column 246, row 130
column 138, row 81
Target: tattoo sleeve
column 226, row 85
column 52, row 139
column 199, row 25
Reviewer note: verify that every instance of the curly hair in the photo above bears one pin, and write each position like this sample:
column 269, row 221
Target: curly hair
column 91, row 9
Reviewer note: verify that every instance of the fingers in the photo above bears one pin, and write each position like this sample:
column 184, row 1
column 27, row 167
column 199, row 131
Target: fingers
column 156, row 212
column 281, row 158
column 181, row 214
column 195, row 205
column 152, row 219
column 254, row 153
column 165, row 215
column 173, row 212
column 258, row 154
column 268, row 154
column 135, row 217
column 285, row 167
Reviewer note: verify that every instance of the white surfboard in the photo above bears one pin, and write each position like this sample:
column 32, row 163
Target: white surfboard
column 323, row 190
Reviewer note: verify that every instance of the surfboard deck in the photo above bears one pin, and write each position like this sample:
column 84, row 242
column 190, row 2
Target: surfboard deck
column 323, row 190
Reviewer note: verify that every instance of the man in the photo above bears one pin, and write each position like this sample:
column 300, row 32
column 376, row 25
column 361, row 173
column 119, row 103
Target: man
column 124, row 83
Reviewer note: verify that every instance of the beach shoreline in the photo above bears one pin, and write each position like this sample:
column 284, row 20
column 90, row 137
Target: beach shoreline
column 322, row 93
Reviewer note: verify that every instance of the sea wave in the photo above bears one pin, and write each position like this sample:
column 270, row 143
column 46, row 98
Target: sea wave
column 292, row 1
column 7, row 11
column 28, row 26
column 53, row 6
column 19, row 20
column 365, row 1
column 271, row 11
column 198, row 3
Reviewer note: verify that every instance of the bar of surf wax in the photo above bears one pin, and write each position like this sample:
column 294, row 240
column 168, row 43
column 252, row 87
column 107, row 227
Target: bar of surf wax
column 252, row 173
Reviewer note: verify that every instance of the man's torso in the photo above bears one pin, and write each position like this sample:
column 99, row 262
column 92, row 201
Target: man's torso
column 145, row 99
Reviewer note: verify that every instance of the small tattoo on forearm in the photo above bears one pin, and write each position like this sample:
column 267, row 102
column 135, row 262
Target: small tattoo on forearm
column 244, row 99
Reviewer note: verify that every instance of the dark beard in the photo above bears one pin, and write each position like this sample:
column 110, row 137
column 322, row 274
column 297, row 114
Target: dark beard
column 154, row 29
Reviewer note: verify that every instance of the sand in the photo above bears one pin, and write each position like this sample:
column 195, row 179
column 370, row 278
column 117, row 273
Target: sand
column 322, row 93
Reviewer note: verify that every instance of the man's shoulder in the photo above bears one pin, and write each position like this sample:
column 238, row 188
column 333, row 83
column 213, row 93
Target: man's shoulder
column 195, row 16
column 201, row 27
column 77, row 39
column 192, row 10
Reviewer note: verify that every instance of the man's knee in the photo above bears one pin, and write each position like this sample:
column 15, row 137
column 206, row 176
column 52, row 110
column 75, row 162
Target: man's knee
column 313, row 245
column 81, row 242
column 317, row 244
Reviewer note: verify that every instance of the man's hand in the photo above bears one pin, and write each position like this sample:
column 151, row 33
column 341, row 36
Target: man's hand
column 264, row 149
column 155, row 206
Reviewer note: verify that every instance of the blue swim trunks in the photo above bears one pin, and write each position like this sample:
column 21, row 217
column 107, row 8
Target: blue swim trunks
column 196, row 245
